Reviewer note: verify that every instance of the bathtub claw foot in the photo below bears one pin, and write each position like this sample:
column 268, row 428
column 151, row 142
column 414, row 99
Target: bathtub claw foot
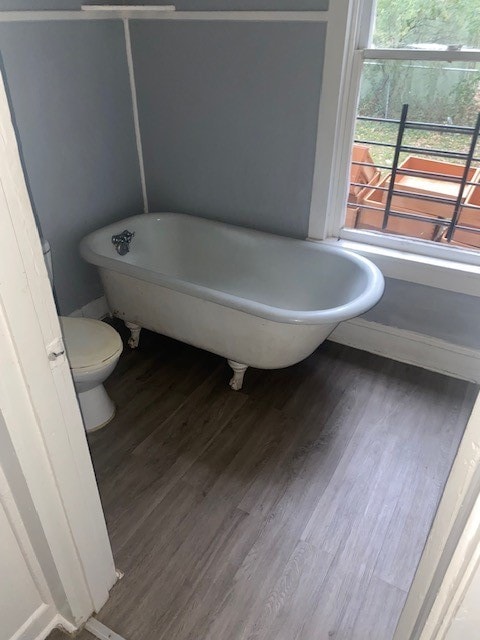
column 134, row 334
column 236, row 382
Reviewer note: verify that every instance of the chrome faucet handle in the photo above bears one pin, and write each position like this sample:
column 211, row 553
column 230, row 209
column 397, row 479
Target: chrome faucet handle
column 121, row 241
column 124, row 236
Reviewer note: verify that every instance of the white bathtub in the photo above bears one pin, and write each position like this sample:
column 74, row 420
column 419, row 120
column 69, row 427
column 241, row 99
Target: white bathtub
column 257, row 299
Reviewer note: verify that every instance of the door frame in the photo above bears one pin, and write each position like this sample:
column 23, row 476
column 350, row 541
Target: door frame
column 39, row 403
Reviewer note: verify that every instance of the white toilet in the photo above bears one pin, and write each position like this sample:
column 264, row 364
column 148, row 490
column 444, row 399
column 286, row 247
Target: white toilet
column 93, row 349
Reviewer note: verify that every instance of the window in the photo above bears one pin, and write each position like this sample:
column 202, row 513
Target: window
column 415, row 168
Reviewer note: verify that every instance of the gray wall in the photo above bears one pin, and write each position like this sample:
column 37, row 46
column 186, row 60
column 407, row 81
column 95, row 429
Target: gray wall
column 228, row 116
column 450, row 316
column 240, row 5
column 46, row 5
column 69, row 90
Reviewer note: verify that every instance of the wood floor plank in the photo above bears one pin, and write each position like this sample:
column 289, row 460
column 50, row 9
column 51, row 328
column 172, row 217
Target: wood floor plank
column 308, row 471
column 374, row 457
column 171, row 449
column 254, row 428
column 378, row 614
column 283, row 613
column 433, row 441
column 159, row 601
column 212, row 522
column 58, row 634
column 197, row 604
column 296, row 509
column 322, row 434
column 145, row 398
column 160, row 535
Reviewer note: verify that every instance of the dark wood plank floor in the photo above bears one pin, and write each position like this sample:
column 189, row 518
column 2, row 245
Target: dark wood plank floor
column 296, row 509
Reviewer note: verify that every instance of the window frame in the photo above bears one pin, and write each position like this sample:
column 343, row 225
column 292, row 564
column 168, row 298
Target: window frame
column 343, row 65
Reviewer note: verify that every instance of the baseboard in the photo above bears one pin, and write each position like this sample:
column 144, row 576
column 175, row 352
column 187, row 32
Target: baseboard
column 410, row 347
column 398, row 344
column 96, row 309
column 57, row 622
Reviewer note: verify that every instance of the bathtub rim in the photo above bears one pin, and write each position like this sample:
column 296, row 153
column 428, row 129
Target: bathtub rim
column 362, row 303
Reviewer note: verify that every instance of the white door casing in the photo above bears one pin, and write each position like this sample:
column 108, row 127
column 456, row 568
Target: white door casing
column 28, row 615
column 42, row 421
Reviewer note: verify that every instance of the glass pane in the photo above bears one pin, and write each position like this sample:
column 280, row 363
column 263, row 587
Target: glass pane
column 438, row 93
column 416, row 23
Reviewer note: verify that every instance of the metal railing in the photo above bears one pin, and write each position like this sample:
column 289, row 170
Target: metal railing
column 446, row 225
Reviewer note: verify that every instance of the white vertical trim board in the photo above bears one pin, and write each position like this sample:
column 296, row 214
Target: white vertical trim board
column 410, row 347
column 39, row 402
column 136, row 120
column 331, row 117
column 39, row 601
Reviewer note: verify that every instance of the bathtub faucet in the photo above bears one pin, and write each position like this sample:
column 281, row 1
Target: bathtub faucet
column 121, row 241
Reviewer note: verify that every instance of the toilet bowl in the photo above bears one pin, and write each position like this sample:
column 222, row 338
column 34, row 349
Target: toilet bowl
column 93, row 349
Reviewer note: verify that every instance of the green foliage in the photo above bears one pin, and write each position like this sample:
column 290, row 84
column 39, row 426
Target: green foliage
column 405, row 22
column 435, row 92
column 385, row 132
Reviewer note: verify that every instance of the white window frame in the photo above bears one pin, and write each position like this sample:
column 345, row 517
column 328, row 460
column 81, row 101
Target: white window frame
column 348, row 44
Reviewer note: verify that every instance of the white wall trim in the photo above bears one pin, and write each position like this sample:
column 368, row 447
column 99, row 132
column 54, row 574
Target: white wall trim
column 136, row 119
column 413, row 246
column 333, row 103
column 96, row 309
column 239, row 16
column 58, row 622
column 410, row 347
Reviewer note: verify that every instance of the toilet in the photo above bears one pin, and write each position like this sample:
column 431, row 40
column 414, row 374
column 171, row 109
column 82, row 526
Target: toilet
column 93, row 349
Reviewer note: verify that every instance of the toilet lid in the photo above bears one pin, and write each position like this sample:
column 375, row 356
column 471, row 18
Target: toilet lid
column 89, row 342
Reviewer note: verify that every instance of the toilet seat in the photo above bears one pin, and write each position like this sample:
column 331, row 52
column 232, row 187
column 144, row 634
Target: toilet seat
column 90, row 344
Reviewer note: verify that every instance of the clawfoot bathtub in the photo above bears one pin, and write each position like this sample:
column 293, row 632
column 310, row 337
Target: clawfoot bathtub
column 257, row 299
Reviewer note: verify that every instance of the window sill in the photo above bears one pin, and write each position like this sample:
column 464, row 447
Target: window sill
column 431, row 271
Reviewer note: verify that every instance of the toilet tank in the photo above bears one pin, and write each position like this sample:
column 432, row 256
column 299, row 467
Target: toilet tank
column 47, row 255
